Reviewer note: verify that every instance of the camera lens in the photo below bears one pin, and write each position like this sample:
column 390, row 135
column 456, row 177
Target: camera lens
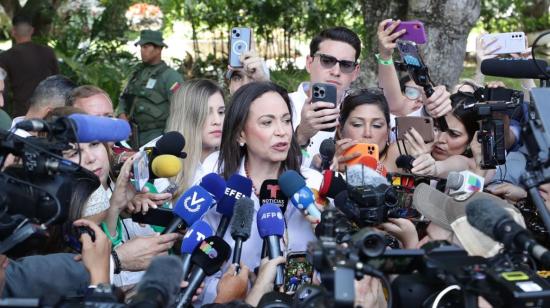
column 238, row 35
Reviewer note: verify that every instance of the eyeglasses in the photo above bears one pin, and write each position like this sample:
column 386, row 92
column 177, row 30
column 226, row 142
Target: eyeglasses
column 412, row 93
column 327, row 61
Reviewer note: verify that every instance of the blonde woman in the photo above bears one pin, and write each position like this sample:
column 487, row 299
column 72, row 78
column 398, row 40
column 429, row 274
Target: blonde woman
column 197, row 111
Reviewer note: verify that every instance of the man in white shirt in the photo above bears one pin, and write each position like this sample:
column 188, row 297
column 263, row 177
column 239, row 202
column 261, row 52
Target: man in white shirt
column 333, row 60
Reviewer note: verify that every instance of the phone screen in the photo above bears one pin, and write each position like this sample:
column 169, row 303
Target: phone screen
column 141, row 171
column 298, row 271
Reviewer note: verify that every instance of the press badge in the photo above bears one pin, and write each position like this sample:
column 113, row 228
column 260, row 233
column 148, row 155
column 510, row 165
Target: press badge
column 151, row 83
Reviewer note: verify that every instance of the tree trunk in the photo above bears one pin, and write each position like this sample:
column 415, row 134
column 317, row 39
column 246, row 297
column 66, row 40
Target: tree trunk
column 447, row 24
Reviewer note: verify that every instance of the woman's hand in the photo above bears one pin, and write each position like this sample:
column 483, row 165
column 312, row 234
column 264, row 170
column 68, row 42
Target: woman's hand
column 424, row 164
column 95, row 254
column 508, row 191
column 340, row 159
column 124, row 191
column 386, row 39
column 145, row 200
column 415, row 143
column 368, row 293
column 403, row 229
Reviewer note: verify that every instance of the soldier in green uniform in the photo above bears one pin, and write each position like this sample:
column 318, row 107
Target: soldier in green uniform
column 146, row 100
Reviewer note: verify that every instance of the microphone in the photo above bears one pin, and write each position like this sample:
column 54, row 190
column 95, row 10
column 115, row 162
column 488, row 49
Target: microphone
column 271, row 226
column 489, row 217
column 238, row 187
column 327, row 150
column 358, row 175
column 207, row 258
column 294, row 187
column 197, row 233
column 82, row 128
column 459, row 183
column 270, row 192
column 170, row 143
column 241, row 224
column 159, row 284
column 189, row 208
column 514, row 68
column 333, row 183
column 215, row 185
column 165, row 166
column 404, row 162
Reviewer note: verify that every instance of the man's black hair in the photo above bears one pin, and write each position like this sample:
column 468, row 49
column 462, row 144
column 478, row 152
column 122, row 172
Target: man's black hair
column 21, row 19
column 341, row 34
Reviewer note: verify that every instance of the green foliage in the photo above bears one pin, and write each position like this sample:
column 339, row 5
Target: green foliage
column 515, row 15
column 289, row 79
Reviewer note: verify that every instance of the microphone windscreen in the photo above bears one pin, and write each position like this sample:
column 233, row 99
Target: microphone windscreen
column 290, row 182
column 270, row 220
column 327, row 148
column 359, row 175
column 243, row 215
column 238, row 186
column 164, row 274
column 193, row 204
column 214, row 184
column 94, row 128
column 197, row 233
column 170, row 143
column 404, row 162
column 454, row 180
column 484, row 214
column 333, row 184
column 210, row 254
column 166, row 166
column 270, row 192
column 514, row 68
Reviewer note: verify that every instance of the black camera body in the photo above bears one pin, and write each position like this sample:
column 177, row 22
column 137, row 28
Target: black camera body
column 373, row 204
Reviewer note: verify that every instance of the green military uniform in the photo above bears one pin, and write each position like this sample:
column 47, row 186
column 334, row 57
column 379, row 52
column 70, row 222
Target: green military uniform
column 146, row 99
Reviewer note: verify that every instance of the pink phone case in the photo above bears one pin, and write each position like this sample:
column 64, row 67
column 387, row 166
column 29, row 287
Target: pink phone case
column 415, row 31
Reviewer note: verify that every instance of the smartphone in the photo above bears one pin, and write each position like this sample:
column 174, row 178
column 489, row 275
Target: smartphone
column 510, row 42
column 141, row 171
column 239, row 42
column 366, row 149
column 298, row 271
column 414, row 31
column 324, row 92
column 157, row 217
column 71, row 235
column 423, row 125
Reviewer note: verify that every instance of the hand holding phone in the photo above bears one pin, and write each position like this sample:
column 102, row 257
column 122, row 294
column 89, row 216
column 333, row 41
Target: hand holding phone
column 240, row 41
column 141, row 170
column 298, row 271
column 366, row 149
column 506, row 43
column 324, row 92
column 423, row 125
column 414, row 31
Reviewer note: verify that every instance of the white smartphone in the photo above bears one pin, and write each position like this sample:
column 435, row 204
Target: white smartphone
column 141, row 171
column 510, row 42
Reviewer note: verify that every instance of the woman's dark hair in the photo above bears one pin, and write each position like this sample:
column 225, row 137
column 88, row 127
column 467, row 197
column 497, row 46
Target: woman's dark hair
column 466, row 116
column 369, row 96
column 231, row 153
column 402, row 82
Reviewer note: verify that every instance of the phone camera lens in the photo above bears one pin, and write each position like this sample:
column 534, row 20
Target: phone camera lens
column 322, row 92
column 238, row 35
column 234, row 31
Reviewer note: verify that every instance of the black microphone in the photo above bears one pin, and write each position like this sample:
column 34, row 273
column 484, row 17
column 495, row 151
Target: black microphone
column 241, row 224
column 515, row 68
column 159, row 284
column 327, row 150
column 333, row 183
column 271, row 226
column 207, row 258
column 492, row 219
column 271, row 192
column 404, row 162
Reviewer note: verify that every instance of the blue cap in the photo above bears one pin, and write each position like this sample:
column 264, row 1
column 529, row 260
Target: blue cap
column 197, row 233
column 193, row 204
column 214, row 184
column 238, row 186
column 270, row 220
column 290, row 182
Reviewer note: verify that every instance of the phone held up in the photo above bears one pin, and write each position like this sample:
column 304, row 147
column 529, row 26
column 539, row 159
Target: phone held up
column 324, row 92
column 414, row 31
column 239, row 42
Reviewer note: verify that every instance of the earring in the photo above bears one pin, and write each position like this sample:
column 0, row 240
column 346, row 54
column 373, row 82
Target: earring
column 241, row 144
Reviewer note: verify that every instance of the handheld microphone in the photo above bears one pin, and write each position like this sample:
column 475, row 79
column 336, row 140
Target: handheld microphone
column 490, row 218
column 208, row 257
column 170, row 143
column 189, row 208
column 514, row 68
column 197, row 233
column 82, row 128
column 459, row 183
column 333, row 183
column 404, row 162
column 270, row 192
column 241, row 225
column 237, row 187
column 327, row 150
column 271, row 226
column 215, row 185
column 294, row 187
column 159, row 284
column 165, row 166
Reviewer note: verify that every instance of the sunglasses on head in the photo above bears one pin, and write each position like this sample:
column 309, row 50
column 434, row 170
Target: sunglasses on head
column 327, row 61
column 412, row 93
